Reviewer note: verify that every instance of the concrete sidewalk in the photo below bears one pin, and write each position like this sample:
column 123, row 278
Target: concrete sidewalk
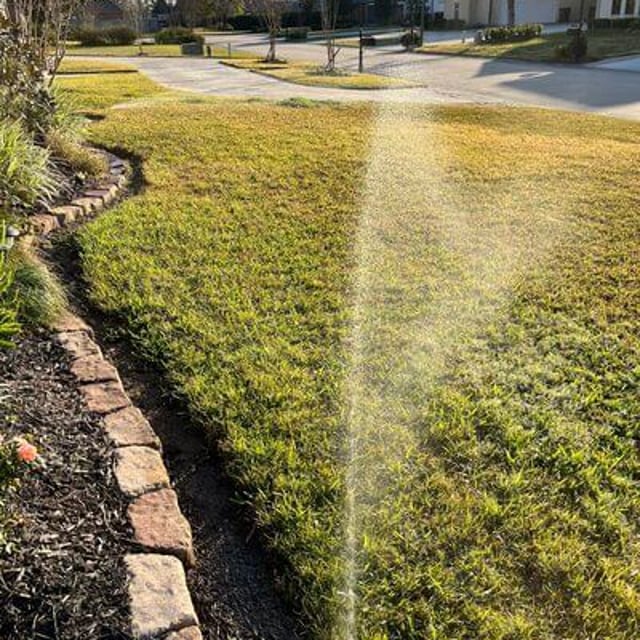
column 626, row 63
column 444, row 79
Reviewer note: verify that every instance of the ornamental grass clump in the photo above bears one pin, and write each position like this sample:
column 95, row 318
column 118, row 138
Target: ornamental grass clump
column 8, row 316
column 26, row 175
column 40, row 297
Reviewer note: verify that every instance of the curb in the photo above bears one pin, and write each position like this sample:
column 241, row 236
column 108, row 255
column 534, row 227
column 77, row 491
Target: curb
column 159, row 599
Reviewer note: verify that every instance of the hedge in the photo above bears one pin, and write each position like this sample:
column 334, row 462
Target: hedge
column 104, row 37
column 516, row 33
column 178, row 35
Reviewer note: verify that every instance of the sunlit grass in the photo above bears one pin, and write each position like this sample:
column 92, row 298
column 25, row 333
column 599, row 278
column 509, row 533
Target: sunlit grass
column 602, row 44
column 71, row 66
column 500, row 264
column 314, row 76
column 151, row 50
column 95, row 93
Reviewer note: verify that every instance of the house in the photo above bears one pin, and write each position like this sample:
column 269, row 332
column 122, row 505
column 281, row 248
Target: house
column 482, row 12
column 102, row 14
column 616, row 9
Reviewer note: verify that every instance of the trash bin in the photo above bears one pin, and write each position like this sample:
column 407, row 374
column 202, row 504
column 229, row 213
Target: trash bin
column 192, row 49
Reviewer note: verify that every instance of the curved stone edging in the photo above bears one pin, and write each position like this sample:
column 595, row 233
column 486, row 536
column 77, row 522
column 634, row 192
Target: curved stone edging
column 159, row 599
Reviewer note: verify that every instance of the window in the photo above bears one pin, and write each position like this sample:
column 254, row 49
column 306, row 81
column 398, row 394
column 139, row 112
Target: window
column 631, row 8
column 616, row 7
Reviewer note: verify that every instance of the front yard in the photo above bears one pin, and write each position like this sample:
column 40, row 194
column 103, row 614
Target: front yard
column 607, row 43
column 421, row 322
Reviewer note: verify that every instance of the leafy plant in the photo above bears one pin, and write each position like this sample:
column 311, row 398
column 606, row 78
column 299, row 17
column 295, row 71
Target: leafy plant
column 15, row 456
column 24, row 93
column 40, row 298
column 26, row 177
column 8, row 323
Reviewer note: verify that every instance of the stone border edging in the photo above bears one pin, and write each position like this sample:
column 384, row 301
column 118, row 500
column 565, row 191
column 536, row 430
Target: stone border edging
column 159, row 599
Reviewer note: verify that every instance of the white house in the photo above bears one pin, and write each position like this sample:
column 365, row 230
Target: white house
column 522, row 11
column 618, row 9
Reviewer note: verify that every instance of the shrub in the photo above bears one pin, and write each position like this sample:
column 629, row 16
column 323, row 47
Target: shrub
column 453, row 25
column 410, row 39
column 39, row 295
column 517, row 33
column 24, row 93
column 177, row 35
column 247, row 22
column 631, row 24
column 8, row 322
column 104, row 37
column 310, row 20
column 296, row 33
column 26, row 177
column 578, row 46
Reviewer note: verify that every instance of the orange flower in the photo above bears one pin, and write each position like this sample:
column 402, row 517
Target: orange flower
column 26, row 452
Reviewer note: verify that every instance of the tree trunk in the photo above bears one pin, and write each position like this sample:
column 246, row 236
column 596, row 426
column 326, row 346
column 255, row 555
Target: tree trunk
column 271, row 55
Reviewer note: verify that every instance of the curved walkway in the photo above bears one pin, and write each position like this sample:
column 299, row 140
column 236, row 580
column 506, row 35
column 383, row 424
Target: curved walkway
column 212, row 78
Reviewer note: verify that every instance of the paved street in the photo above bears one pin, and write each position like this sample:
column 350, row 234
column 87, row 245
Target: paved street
column 445, row 79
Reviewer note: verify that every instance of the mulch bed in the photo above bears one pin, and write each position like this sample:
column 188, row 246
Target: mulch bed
column 61, row 576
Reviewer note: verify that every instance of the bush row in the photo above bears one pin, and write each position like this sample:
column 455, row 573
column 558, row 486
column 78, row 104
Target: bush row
column 519, row 32
column 311, row 20
column 631, row 24
column 178, row 35
column 296, row 33
column 104, row 37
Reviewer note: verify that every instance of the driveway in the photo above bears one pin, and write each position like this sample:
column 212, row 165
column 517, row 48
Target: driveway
column 628, row 63
column 598, row 88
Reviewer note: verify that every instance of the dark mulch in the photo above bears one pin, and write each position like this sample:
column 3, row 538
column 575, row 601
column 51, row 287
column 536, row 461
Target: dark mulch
column 235, row 583
column 63, row 577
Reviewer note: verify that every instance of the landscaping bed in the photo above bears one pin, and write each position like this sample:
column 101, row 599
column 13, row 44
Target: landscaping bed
column 602, row 44
column 450, row 294
column 61, row 570
column 314, row 76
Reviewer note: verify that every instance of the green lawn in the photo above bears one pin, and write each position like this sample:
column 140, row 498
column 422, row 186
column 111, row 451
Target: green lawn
column 309, row 74
column 114, row 87
column 69, row 66
column 152, row 50
column 602, row 44
column 414, row 332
